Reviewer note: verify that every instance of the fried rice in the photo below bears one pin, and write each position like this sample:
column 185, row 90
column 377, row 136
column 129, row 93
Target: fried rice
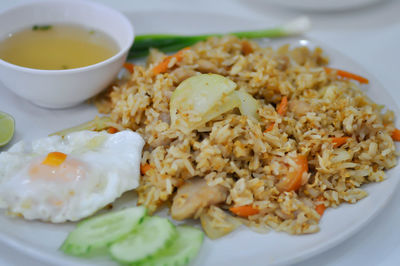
column 249, row 158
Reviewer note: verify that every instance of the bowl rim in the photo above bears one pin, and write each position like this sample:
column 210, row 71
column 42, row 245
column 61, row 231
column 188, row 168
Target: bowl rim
column 88, row 4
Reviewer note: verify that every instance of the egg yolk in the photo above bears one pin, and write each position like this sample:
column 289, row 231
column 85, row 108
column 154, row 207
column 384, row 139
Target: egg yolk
column 57, row 166
column 55, row 158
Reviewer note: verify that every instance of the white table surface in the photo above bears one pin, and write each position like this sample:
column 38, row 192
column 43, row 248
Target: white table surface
column 369, row 35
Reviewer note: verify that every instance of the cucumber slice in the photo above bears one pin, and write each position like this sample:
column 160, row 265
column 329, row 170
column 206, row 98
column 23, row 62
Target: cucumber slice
column 151, row 236
column 101, row 231
column 181, row 251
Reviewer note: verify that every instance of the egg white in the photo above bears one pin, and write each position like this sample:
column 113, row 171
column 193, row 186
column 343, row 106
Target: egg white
column 109, row 164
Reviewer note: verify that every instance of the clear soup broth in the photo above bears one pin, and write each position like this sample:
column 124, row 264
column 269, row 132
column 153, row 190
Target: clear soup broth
column 56, row 47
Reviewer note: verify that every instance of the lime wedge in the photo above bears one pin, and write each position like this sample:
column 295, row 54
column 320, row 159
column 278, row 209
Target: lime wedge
column 6, row 128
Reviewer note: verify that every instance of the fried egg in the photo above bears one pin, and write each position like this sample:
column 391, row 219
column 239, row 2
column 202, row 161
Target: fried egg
column 60, row 179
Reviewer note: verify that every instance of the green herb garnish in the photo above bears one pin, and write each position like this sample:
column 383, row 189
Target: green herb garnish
column 171, row 43
column 42, row 27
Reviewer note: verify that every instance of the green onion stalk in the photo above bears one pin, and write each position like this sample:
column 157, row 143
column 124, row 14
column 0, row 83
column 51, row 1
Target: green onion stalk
column 170, row 43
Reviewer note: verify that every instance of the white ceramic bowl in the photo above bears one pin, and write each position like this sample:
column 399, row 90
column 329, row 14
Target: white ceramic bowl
column 64, row 88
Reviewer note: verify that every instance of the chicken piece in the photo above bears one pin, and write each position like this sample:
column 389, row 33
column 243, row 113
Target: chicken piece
column 194, row 196
column 206, row 66
column 181, row 74
column 300, row 55
column 299, row 107
column 283, row 62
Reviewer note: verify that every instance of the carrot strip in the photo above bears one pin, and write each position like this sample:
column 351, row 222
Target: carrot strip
column 281, row 109
column 349, row 75
column 112, row 130
column 320, row 208
column 283, row 106
column 396, row 134
column 339, row 141
column 269, row 128
column 129, row 67
column 244, row 211
column 179, row 54
column 292, row 181
column 162, row 67
column 144, row 168
column 246, row 48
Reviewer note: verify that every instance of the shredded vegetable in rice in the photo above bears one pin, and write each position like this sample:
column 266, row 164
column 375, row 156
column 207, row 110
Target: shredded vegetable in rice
column 297, row 137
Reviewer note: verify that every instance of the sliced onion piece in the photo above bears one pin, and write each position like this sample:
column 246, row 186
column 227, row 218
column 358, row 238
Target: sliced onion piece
column 217, row 223
column 248, row 105
column 201, row 98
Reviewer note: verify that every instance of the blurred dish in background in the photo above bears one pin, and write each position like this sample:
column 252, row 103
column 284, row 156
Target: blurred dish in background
column 323, row 5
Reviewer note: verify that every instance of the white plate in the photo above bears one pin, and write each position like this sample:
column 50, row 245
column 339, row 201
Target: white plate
column 243, row 247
